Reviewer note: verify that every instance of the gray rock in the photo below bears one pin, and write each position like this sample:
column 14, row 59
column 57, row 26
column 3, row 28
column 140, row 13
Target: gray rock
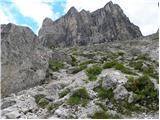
column 13, row 115
column 81, row 28
column 8, row 103
column 120, row 93
column 24, row 61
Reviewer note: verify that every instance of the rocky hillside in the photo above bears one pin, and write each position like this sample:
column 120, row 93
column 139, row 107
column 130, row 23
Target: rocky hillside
column 81, row 28
column 112, row 80
column 83, row 65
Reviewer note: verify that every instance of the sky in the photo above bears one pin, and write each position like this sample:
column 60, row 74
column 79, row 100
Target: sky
column 31, row 13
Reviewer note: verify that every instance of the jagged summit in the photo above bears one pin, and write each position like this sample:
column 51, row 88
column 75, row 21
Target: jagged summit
column 72, row 10
column 81, row 28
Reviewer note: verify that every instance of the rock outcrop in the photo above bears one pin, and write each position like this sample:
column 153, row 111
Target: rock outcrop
column 81, row 28
column 24, row 61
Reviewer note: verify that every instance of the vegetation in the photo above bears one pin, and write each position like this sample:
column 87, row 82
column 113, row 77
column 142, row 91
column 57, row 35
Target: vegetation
column 151, row 72
column 74, row 60
column 144, row 89
column 121, row 53
column 109, row 64
column 80, row 96
column 63, row 93
column 55, row 65
column 104, row 93
column 43, row 102
column 137, row 64
column 38, row 97
column 101, row 115
column 126, row 108
column 93, row 71
column 119, row 66
column 82, row 66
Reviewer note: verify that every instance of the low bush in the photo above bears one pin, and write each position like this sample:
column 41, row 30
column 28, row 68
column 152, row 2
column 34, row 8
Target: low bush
column 80, row 96
column 55, row 65
column 104, row 93
column 144, row 88
column 137, row 64
column 63, row 93
column 74, row 60
column 101, row 115
column 93, row 71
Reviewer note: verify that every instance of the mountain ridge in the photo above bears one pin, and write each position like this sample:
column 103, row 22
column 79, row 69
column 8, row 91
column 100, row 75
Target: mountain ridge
column 81, row 28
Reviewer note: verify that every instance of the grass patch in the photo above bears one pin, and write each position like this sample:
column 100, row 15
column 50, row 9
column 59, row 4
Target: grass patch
column 55, row 65
column 126, row 108
column 150, row 71
column 109, row 64
column 104, row 93
column 63, row 93
column 118, row 66
column 74, row 60
column 144, row 89
column 137, row 64
column 43, row 102
column 80, row 96
column 100, row 115
column 93, row 71
column 38, row 97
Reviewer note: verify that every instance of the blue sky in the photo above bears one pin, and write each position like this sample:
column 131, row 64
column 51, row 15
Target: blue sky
column 143, row 13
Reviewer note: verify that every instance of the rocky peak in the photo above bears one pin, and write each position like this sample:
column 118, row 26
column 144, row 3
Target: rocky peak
column 72, row 11
column 81, row 28
column 47, row 22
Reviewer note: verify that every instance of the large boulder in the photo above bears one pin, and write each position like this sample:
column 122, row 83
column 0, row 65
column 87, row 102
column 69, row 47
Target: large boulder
column 24, row 61
column 81, row 28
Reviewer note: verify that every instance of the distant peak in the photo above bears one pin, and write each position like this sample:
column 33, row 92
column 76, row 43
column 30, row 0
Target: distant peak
column 72, row 10
column 47, row 21
column 109, row 4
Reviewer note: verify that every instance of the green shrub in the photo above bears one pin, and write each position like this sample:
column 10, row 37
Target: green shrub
column 144, row 88
column 55, row 65
column 93, row 71
column 85, row 63
column 51, row 107
column 74, row 60
column 38, row 97
column 151, row 72
column 100, row 115
column 137, row 64
column 122, row 68
column 63, row 93
column 43, row 102
column 80, row 96
column 118, row 66
column 104, row 93
column 109, row 64
column 121, row 53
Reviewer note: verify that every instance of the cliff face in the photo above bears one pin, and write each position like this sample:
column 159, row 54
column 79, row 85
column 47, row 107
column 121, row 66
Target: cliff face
column 81, row 28
column 23, row 60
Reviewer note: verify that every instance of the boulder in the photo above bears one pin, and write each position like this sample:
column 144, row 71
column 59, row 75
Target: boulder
column 120, row 93
column 24, row 61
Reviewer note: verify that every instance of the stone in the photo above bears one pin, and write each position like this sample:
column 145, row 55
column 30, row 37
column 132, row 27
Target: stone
column 84, row 28
column 110, row 78
column 7, row 104
column 24, row 61
column 13, row 115
column 120, row 93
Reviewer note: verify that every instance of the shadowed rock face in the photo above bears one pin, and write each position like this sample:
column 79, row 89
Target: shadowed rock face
column 81, row 28
column 23, row 60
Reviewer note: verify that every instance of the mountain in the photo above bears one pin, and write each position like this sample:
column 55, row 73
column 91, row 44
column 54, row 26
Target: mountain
column 23, row 60
column 81, row 28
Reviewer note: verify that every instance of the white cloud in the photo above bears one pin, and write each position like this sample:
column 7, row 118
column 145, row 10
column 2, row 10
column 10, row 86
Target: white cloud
column 6, row 15
column 35, row 9
column 143, row 13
